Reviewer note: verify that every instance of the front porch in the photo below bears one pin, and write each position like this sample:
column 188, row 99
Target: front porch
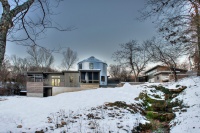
column 90, row 76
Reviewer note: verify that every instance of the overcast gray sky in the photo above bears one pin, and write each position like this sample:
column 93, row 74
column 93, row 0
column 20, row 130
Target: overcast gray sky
column 101, row 26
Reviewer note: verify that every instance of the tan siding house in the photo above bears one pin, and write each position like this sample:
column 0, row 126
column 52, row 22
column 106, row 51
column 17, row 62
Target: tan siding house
column 162, row 74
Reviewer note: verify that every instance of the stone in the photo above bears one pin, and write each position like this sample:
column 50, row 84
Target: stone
column 63, row 123
column 19, row 126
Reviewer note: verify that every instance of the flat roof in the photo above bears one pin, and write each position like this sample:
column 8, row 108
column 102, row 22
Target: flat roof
column 89, row 70
column 39, row 72
column 177, row 69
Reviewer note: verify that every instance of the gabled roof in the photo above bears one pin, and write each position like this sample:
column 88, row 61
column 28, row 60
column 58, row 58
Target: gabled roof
column 91, row 59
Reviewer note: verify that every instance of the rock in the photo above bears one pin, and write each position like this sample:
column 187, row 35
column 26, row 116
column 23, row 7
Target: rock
column 39, row 131
column 176, row 110
column 91, row 125
column 137, row 99
column 119, row 126
column 170, row 116
column 63, row 123
column 90, row 116
column 183, row 110
column 19, row 126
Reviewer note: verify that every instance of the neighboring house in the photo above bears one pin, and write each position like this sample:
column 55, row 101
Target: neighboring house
column 162, row 74
column 92, row 73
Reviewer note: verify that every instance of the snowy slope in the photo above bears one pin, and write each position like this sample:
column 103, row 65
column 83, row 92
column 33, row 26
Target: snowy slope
column 188, row 122
column 32, row 113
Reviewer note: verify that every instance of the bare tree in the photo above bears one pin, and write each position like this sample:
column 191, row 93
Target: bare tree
column 30, row 18
column 19, row 65
column 178, row 21
column 70, row 57
column 40, row 58
column 134, row 56
column 184, row 65
column 166, row 54
column 119, row 72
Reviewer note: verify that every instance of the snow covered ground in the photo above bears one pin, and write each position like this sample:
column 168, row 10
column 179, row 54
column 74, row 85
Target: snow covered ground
column 188, row 122
column 33, row 113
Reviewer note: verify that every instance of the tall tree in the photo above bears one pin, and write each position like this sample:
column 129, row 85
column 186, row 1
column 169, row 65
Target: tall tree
column 178, row 21
column 18, row 16
column 70, row 57
column 134, row 56
column 166, row 54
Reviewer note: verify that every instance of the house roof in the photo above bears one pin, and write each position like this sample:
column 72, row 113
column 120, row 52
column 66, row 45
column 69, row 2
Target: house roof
column 40, row 72
column 153, row 68
column 177, row 69
column 89, row 70
column 91, row 59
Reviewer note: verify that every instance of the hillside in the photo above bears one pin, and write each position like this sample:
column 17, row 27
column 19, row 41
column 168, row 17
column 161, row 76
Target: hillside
column 119, row 109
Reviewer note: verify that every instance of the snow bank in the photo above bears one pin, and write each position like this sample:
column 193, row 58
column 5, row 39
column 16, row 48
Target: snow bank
column 188, row 121
column 33, row 112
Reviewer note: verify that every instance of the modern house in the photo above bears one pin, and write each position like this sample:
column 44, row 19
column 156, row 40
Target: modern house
column 42, row 84
column 162, row 74
column 91, row 74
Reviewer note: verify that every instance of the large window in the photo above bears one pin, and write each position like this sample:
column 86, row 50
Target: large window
column 55, row 80
column 91, row 65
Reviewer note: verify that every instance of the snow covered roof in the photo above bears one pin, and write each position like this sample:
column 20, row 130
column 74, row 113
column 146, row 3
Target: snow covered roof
column 91, row 59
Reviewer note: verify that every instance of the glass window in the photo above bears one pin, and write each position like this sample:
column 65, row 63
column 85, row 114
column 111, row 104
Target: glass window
column 102, row 78
column 55, row 82
column 80, row 66
column 91, row 65
column 71, row 78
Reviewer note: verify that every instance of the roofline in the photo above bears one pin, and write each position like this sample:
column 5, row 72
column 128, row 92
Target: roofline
column 177, row 69
column 153, row 68
column 92, row 70
column 40, row 72
column 92, row 62
column 85, row 60
column 68, row 71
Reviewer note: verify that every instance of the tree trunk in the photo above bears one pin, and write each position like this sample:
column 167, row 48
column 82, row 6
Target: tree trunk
column 197, row 20
column 175, row 76
column 3, row 34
